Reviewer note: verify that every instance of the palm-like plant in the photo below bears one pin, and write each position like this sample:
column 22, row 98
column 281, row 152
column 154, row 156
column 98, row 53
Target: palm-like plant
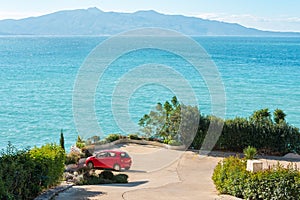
column 279, row 116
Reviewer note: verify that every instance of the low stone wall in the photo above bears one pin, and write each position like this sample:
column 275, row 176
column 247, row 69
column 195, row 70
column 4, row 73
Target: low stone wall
column 98, row 147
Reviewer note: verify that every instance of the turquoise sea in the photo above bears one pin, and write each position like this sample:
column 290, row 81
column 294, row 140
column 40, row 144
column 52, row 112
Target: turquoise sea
column 37, row 76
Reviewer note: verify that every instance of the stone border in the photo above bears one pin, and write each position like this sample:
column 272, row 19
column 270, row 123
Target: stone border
column 142, row 142
column 51, row 193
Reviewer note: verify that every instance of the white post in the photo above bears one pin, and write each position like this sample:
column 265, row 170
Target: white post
column 254, row 165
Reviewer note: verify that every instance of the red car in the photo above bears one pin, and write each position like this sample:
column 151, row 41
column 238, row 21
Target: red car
column 109, row 159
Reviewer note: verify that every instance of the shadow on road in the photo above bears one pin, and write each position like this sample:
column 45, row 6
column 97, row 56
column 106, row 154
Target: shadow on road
column 77, row 194
column 136, row 171
column 130, row 184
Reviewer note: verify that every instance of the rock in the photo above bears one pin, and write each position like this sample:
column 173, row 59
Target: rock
column 69, row 177
column 75, row 149
column 71, row 168
column 292, row 156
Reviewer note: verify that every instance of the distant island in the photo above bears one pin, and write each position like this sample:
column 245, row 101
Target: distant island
column 93, row 21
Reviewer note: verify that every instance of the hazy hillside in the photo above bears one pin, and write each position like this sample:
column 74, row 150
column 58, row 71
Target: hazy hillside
column 93, row 21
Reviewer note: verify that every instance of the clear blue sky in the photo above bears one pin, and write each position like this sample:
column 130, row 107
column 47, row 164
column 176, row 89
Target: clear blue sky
column 282, row 15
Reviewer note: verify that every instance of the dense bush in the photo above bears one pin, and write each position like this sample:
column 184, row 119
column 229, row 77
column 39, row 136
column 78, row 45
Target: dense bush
column 134, row 137
column 204, row 122
column 105, row 177
column 112, row 137
column 277, row 183
column 106, row 174
column 24, row 174
column 121, row 178
column 265, row 135
column 72, row 158
column 155, row 139
column 17, row 175
column 230, row 177
column 174, row 143
column 50, row 163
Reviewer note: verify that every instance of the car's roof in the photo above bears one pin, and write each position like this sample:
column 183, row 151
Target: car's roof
column 113, row 150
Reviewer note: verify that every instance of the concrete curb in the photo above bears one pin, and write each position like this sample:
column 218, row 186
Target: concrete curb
column 51, row 193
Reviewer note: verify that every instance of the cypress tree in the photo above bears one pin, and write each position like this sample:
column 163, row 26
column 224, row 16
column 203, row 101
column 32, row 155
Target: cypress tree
column 62, row 140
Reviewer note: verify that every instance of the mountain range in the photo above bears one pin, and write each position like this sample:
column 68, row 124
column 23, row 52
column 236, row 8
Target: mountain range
column 93, row 21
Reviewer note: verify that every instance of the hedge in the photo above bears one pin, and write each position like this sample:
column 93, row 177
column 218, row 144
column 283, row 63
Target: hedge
column 50, row 163
column 230, row 177
column 25, row 173
column 239, row 133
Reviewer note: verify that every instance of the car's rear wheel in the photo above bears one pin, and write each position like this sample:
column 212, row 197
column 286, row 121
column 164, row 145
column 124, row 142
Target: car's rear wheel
column 117, row 167
column 90, row 165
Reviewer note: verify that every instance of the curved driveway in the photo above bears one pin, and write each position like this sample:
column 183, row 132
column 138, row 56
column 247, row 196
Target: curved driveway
column 157, row 174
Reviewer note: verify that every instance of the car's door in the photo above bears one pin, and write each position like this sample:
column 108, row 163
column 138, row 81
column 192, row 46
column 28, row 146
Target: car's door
column 110, row 159
column 100, row 160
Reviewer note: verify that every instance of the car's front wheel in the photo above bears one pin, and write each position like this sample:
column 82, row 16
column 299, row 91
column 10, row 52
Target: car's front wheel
column 90, row 165
column 117, row 167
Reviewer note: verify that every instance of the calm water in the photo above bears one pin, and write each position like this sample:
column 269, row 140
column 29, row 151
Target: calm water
column 37, row 75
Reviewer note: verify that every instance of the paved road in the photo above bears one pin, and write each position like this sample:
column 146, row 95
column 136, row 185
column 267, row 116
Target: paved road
column 157, row 174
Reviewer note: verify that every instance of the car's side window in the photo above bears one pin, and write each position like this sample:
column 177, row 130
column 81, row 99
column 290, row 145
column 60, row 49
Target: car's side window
column 112, row 154
column 101, row 155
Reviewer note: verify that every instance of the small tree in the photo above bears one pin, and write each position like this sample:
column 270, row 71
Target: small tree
column 62, row 140
column 171, row 121
column 80, row 142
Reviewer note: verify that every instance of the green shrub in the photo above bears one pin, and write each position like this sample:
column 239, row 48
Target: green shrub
column 121, row 178
column 105, row 177
column 166, row 141
column 277, row 183
column 93, row 180
column 156, row 139
column 106, row 174
column 50, row 161
column 174, row 143
column 24, row 174
column 18, row 179
column 231, row 177
column 80, row 145
column 250, row 153
column 112, row 137
column 72, row 158
column 134, row 137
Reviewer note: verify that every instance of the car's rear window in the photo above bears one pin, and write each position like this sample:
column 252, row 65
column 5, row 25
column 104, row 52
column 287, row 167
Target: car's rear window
column 124, row 155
